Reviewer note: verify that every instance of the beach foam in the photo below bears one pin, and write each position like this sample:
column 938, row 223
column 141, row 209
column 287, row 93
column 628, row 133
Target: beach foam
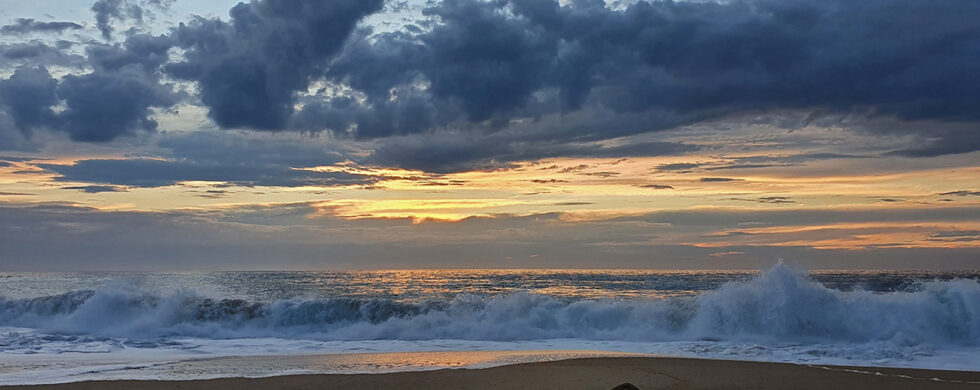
column 780, row 305
column 780, row 315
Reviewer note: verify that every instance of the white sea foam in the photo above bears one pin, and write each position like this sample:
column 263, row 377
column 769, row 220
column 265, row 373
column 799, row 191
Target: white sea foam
column 781, row 315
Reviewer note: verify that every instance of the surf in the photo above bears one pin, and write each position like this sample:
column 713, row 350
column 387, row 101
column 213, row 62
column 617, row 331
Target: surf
column 780, row 305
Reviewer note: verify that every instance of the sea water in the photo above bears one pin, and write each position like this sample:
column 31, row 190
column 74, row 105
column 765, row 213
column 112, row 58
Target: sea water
column 58, row 327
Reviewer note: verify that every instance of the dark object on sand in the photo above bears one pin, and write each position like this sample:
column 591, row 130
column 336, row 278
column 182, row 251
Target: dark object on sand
column 625, row 386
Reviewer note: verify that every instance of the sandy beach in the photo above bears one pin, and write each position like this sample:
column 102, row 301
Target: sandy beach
column 588, row 373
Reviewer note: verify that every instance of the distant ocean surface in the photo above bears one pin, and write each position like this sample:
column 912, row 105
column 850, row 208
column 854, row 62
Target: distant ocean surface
column 57, row 327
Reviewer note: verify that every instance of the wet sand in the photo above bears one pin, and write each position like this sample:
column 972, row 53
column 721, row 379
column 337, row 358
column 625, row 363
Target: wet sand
column 589, row 373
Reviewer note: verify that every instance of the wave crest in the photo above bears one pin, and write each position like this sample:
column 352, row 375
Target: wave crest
column 780, row 305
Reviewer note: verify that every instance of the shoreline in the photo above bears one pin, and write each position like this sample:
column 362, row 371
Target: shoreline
column 581, row 373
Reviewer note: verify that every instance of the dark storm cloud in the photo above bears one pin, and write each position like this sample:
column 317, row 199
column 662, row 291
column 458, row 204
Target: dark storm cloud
column 483, row 84
column 143, row 51
column 250, row 69
column 229, row 158
column 11, row 139
column 102, row 106
column 27, row 25
column 113, row 100
column 485, row 61
column 693, row 59
column 28, row 96
column 25, row 100
column 116, row 98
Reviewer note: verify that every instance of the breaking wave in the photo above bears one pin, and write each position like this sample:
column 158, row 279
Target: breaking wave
column 780, row 305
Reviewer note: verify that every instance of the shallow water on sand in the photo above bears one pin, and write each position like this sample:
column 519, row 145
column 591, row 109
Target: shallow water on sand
column 74, row 368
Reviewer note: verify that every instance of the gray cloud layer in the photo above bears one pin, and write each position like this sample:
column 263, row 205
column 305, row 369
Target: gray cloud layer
column 208, row 157
column 64, row 237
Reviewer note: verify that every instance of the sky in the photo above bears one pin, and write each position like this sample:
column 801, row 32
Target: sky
column 369, row 134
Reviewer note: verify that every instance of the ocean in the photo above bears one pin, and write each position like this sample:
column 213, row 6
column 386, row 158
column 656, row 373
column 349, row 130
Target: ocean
column 61, row 327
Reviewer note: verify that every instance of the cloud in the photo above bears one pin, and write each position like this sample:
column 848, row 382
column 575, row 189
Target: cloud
column 602, row 174
column 942, row 140
column 113, row 100
column 751, row 162
column 717, row 179
column 28, row 96
column 27, row 25
column 11, row 138
column 141, row 51
column 961, row 193
column 108, row 10
column 548, row 181
column 702, row 59
column 682, row 167
column 159, row 173
column 808, row 217
column 102, row 106
column 487, row 62
column 209, row 157
column 889, row 200
column 726, row 254
column 42, row 236
column 456, row 151
column 96, row 189
column 250, row 69
column 955, row 236
column 483, row 84
column 486, row 66
column 766, row 199
column 36, row 53
column 18, row 159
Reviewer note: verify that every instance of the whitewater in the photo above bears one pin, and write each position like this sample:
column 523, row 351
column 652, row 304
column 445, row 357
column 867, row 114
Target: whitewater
column 139, row 326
